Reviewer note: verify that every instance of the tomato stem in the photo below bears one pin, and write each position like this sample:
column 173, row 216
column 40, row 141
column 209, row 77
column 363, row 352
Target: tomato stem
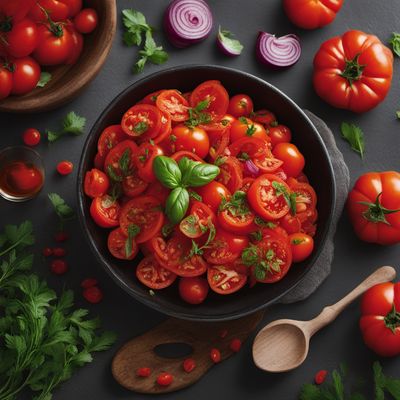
column 392, row 319
column 55, row 28
column 353, row 70
column 375, row 212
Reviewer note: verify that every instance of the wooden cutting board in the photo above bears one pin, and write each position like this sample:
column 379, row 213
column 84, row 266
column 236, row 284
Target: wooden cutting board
column 201, row 336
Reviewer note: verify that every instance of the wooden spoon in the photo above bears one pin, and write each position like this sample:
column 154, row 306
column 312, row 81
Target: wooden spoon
column 283, row 345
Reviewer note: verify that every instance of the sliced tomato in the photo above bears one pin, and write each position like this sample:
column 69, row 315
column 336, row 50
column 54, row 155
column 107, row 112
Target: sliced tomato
column 105, row 211
column 241, row 224
column 142, row 120
column 194, row 266
column 98, row 161
column 247, row 182
column 165, row 129
column 219, row 144
column 188, row 154
column 306, row 198
column 215, row 129
column 278, row 258
column 122, row 155
column 144, row 158
column 249, row 147
column 231, row 174
column 172, row 102
column 267, row 163
column 153, row 275
column 266, row 200
column 173, row 252
column 197, row 223
column 213, row 193
column 290, row 223
column 118, row 247
column 157, row 190
column 215, row 94
column 225, row 248
column 146, row 213
column 265, row 117
column 150, row 98
column 225, row 279
column 96, row 183
column 133, row 185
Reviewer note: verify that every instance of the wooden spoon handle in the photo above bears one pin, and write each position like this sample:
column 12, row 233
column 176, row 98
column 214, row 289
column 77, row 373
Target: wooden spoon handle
column 329, row 313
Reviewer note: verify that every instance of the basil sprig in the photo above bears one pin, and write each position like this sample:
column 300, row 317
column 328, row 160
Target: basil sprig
column 178, row 177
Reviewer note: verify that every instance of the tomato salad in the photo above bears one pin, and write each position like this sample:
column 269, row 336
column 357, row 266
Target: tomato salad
column 206, row 188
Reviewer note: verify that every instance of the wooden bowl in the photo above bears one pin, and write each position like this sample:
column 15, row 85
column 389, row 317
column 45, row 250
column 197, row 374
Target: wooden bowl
column 318, row 169
column 69, row 80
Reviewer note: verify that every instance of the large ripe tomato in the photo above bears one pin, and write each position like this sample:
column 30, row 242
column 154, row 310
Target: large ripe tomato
column 6, row 82
column 225, row 279
column 109, row 138
column 142, row 120
column 213, row 193
column 374, row 207
column 353, row 71
column 244, row 127
column 380, row 318
column 105, row 211
column 54, row 44
column 117, row 245
column 231, row 174
column 146, row 213
column 153, row 275
column 193, row 290
column 215, row 94
column 267, row 197
column 22, row 39
column 190, row 139
column 26, row 75
column 293, row 160
column 174, row 103
column 312, row 14
column 56, row 10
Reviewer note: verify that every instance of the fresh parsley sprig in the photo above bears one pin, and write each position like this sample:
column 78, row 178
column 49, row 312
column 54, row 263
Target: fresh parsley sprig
column 354, row 136
column 199, row 250
column 63, row 210
column 394, row 42
column 45, row 78
column 72, row 124
column 198, row 115
column 237, row 205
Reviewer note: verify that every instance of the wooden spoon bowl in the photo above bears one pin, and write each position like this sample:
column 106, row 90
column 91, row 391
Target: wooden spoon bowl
column 69, row 80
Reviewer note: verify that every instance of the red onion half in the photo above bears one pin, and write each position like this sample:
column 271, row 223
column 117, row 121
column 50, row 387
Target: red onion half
column 187, row 22
column 278, row 51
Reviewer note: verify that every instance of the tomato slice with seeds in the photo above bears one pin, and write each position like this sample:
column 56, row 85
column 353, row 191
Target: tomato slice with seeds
column 217, row 96
column 117, row 245
column 215, row 129
column 165, row 129
column 231, row 174
column 197, row 223
column 219, row 144
column 238, row 223
column 109, row 138
column 194, row 266
column 120, row 160
column 153, row 275
column 146, row 213
column 305, row 195
column 225, row 279
column 173, row 252
column 225, row 248
column 267, row 163
column 156, row 189
column 249, row 147
column 266, row 200
column 105, row 211
column 133, row 185
column 142, row 120
column 172, row 102
column 144, row 158
column 247, row 182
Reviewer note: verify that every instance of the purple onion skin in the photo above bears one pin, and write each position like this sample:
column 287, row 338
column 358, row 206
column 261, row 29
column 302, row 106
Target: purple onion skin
column 251, row 168
column 174, row 38
column 264, row 61
column 224, row 50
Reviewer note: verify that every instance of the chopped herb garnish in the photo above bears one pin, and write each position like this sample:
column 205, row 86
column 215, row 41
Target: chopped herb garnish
column 141, row 127
column 289, row 197
column 72, row 124
column 62, row 209
column 197, row 115
column 267, row 224
column 237, row 205
column 196, row 250
column 133, row 231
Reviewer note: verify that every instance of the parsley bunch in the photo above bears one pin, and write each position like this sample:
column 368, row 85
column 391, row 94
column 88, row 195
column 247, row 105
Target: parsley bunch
column 73, row 124
column 136, row 25
column 44, row 340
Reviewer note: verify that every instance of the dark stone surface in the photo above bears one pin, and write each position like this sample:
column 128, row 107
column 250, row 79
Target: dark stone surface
column 237, row 378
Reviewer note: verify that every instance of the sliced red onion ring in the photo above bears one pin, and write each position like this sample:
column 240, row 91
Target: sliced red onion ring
column 187, row 22
column 278, row 51
column 251, row 168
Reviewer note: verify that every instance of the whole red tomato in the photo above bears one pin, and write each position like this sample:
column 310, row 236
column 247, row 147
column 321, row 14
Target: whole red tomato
column 57, row 11
column 190, row 139
column 15, row 9
column 380, row 318
column 55, row 44
column 374, row 207
column 26, row 75
column 353, row 71
column 312, row 14
column 6, row 82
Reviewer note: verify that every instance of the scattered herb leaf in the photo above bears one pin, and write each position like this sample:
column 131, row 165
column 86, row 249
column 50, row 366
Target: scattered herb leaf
column 45, row 78
column 72, row 124
column 395, row 43
column 355, row 136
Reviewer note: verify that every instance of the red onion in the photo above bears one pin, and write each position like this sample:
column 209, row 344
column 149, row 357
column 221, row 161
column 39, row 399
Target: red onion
column 251, row 168
column 278, row 52
column 227, row 44
column 187, row 22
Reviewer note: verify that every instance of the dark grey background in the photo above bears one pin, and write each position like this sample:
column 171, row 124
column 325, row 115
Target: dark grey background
column 236, row 378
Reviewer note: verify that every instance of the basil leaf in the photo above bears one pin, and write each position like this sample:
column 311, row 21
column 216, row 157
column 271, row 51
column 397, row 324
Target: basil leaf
column 186, row 166
column 167, row 171
column 177, row 204
column 202, row 174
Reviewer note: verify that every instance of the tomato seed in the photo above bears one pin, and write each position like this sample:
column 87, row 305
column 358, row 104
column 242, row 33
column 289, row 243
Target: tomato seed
column 235, row 345
column 215, row 355
column 93, row 294
column 165, row 379
column 143, row 372
column 88, row 283
column 59, row 267
column 59, row 252
column 47, row 252
column 189, row 365
column 61, row 237
column 320, row 376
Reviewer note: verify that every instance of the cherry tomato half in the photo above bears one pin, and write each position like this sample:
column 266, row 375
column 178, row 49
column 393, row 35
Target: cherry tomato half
column 153, row 275
column 105, row 211
column 96, row 183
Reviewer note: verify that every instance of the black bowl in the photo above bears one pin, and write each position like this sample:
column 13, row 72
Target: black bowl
column 318, row 169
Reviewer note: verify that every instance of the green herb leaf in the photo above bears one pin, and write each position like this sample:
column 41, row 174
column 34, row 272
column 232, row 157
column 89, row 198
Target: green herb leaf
column 195, row 195
column 354, row 135
column 124, row 162
column 62, row 209
column 167, row 172
column 394, row 42
column 260, row 222
column 45, row 78
column 237, row 205
column 226, row 37
column 74, row 123
column 113, row 175
column 133, row 231
column 290, row 198
column 135, row 24
column 196, row 250
column 177, row 204
column 202, row 174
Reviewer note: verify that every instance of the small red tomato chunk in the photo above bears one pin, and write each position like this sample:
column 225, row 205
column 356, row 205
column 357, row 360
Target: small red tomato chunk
column 143, row 372
column 320, row 376
column 59, row 252
column 47, row 252
column 165, row 379
column 31, row 137
column 65, row 167
column 193, row 290
column 93, row 294
column 235, row 345
column 86, row 21
column 215, row 356
column 89, row 282
column 59, row 267
column 189, row 365
column 96, row 183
